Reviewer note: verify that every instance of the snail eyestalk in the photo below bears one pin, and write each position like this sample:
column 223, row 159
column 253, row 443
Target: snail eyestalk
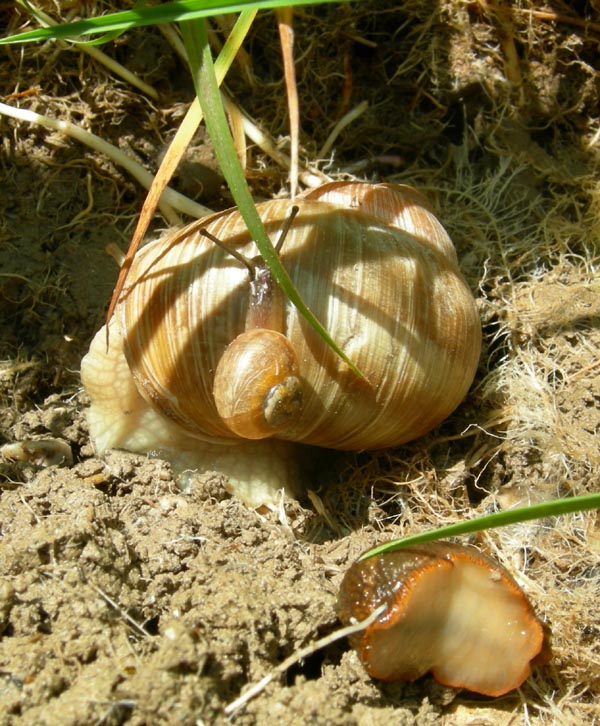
column 266, row 306
column 250, row 264
column 286, row 227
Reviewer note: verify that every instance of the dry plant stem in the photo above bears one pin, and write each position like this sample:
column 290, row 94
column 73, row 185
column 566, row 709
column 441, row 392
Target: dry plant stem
column 114, row 251
column 99, row 56
column 586, row 369
column 286, row 35
column 156, row 189
column 263, row 140
column 174, row 153
column 134, row 624
column 556, row 18
column 242, row 57
column 236, row 124
column 174, row 40
column 346, row 119
column 548, row 15
column 170, row 199
column 308, row 177
column 308, row 650
column 504, row 26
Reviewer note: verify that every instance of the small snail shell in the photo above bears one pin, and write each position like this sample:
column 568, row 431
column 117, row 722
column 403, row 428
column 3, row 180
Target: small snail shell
column 373, row 264
column 452, row 611
column 257, row 389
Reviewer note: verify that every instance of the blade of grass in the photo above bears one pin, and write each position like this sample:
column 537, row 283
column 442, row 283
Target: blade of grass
column 174, row 153
column 95, row 53
column 201, row 63
column 179, row 11
column 498, row 519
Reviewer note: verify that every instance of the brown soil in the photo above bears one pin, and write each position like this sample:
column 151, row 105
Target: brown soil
column 124, row 600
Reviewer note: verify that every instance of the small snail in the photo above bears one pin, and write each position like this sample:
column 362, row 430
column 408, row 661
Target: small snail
column 377, row 269
column 257, row 387
column 451, row 611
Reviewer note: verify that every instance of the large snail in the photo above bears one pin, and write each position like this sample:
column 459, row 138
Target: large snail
column 211, row 367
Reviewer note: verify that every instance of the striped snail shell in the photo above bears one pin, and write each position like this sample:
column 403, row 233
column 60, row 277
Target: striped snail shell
column 201, row 352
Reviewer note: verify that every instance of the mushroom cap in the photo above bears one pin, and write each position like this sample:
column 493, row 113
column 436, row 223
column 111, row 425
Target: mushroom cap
column 452, row 611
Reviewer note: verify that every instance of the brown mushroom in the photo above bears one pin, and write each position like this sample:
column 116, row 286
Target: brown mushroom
column 451, row 611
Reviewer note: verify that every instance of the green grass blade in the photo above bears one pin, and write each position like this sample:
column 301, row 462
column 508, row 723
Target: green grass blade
column 491, row 521
column 199, row 54
column 47, row 22
column 179, row 11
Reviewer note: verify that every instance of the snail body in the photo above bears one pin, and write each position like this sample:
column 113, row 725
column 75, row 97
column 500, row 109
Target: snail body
column 451, row 611
column 376, row 268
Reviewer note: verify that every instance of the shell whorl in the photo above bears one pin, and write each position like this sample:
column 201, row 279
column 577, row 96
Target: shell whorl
column 396, row 304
